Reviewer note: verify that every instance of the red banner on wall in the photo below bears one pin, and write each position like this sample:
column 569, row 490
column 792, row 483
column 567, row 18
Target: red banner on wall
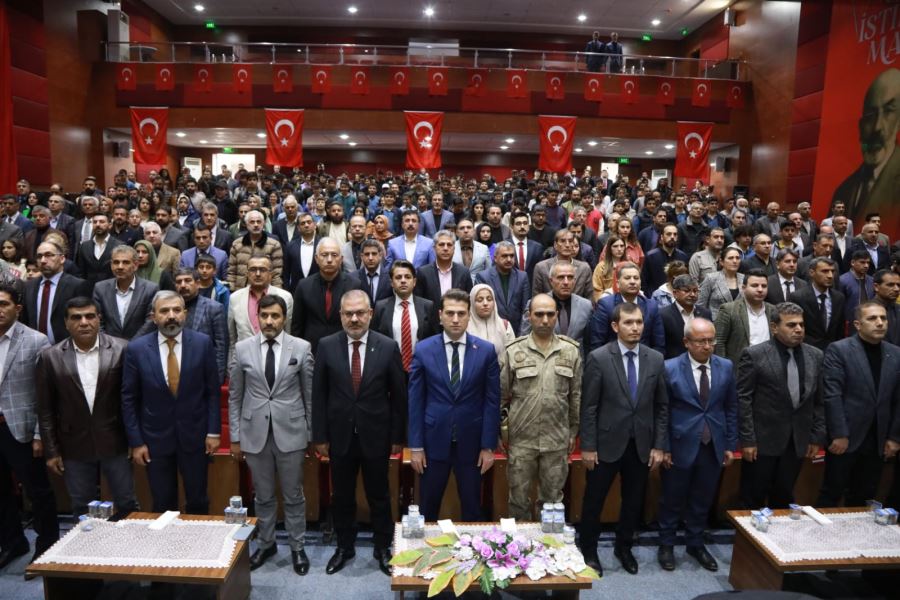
column 555, row 86
column 630, row 89
column 126, row 79
column 203, row 78
column 242, row 78
column 284, row 137
column 692, row 152
column 557, row 137
column 593, row 88
column 149, row 127
column 516, row 83
column 282, row 79
column 665, row 92
column 321, row 80
column 477, row 84
column 423, row 139
column 702, row 93
column 359, row 81
column 165, row 78
column 399, row 81
column 437, row 81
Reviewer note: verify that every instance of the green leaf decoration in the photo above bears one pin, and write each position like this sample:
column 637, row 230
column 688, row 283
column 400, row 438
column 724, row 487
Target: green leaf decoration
column 502, row 584
column 440, row 582
column 486, row 581
column 406, row 557
column 431, row 559
column 551, row 542
column 477, row 571
column 447, row 539
column 461, row 583
column 589, row 572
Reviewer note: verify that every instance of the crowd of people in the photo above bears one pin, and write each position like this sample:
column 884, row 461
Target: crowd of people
column 644, row 326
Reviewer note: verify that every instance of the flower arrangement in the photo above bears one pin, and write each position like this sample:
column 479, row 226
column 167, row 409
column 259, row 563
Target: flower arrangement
column 493, row 558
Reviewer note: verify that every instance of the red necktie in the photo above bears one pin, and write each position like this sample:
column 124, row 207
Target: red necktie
column 355, row 368
column 45, row 307
column 522, row 256
column 328, row 300
column 406, row 350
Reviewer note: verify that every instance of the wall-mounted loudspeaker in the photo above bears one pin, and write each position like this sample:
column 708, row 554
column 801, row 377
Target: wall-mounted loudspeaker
column 721, row 164
column 122, row 149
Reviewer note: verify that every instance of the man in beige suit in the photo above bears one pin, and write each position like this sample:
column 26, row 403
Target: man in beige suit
column 243, row 321
column 167, row 257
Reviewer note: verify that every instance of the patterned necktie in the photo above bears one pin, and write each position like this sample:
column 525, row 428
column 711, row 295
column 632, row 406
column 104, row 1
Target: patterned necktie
column 704, row 402
column 270, row 364
column 406, row 349
column 522, row 256
column 172, row 371
column 823, row 309
column 793, row 378
column 355, row 367
column 454, row 367
column 632, row 376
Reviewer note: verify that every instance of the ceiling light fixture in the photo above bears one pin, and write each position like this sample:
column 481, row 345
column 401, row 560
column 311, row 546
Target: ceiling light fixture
column 180, row 133
column 352, row 10
column 592, row 143
column 351, row 143
column 510, row 140
column 655, row 22
column 578, row 150
column 203, row 142
column 582, row 18
column 669, row 146
column 199, row 7
column 344, row 136
column 429, row 12
column 648, row 152
column 504, row 147
column 261, row 135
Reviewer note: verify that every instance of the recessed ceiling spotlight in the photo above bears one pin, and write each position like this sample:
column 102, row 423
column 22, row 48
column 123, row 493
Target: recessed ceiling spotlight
column 344, row 136
column 199, row 7
column 582, row 18
column 261, row 135
column 592, row 143
column 352, row 10
column 504, row 147
column 180, row 133
column 510, row 140
column 578, row 149
column 351, row 143
column 429, row 11
column 669, row 146
column 655, row 22
column 648, row 152
column 203, row 142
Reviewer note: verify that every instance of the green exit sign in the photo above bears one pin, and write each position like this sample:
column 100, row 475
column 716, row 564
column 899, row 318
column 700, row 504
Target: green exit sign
column 228, row 150
column 624, row 160
column 210, row 25
column 646, row 37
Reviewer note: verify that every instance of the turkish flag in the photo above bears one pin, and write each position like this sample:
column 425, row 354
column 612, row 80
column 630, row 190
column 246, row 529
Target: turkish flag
column 735, row 96
column 282, row 79
column 437, row 81
column 593, row 87
column 284, row 137
column 516, row 84
column 321, row 80
column 148, row 135
column 630, row 88
column 692, row 153
column 557, row 139
column 242, row 78
column 165, row 78
column 399, row 81
column 665, row 92
column 702, row 93
column 359, row 81
column 202, row 79
column 423, row 139
column 477, row 85
column 125, row 78
column 554, row 86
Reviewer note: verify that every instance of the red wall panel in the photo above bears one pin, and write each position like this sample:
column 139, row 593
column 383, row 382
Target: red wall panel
column 33, row 115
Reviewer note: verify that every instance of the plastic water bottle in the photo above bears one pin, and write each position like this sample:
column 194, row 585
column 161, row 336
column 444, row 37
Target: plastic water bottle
column 547, row 518
column 559, row 517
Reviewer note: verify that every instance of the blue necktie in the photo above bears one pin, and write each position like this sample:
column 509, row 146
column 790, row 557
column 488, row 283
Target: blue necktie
column 454, row 367
column 632, row 376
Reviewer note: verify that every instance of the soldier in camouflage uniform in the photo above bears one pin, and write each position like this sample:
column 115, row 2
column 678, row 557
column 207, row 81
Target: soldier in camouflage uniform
column 540, row 386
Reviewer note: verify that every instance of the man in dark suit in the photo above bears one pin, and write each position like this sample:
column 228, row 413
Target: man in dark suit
column 59, row 220
column 762, row 256
column 573, row 312
column 300, row 253
column 79, row 410
column 35, row 235
column 823, row 306
column 46, row 296
column 601, row 327
column 125, row 302
column 170, row 406
column 120, row 229
column 528, row 251
column 373, row 275
column 770, row 224
column 781, row 410
column 394, row 317
column 84, row 227
column 436, row 279
column 317, row 297
column 624, row 429
column 209, row 216
column 94, row 255
column 868, row 241
column 511, row 287
column 823, row 245
column 359, row 409
column 703, row 427
column 454, row 410
column 653, row 273
column 784, row 282
column 596, row 58
column 886, row 285
column 12, row 215
column 674, row 317
column 435, row 219
column 203, row 246
column 862, row 393
column 287, row 229
column 856, row 285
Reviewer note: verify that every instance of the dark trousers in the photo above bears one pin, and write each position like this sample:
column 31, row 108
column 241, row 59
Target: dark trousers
column 344, row 470
column 162, row 474
column 770, row 477
column 16, row 459
column 82, row 479
column 689, row 492
column 852, row 475
column 634, row 481
column 468, row 483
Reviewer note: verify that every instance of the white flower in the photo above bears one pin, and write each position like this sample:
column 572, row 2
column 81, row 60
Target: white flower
column 465, row 553
column 502, row 573
column 403, row 571
column 537, row 569
column 429, row 574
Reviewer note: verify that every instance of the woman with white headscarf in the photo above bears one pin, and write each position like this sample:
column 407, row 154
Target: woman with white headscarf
column 484, row 322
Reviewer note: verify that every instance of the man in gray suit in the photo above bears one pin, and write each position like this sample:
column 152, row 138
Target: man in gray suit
column 862, row 396
column 624, row 429
column 574, row 311
column 469, row 252
column 566, row 247
column 745, row 321
column 126, row 301
column 782, row 418
column 269, row 411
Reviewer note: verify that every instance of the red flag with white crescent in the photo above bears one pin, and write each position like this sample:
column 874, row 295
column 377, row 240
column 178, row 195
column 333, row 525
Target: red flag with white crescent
column 702, row 93
column 692, row 152
column 149, row 127
column 555, row 86
column 437, row 81
column 126, row 79
column 423, row 139
column 593, row 87
column 399, row 81
column 735, row 96
column 359, row 81
column 665, row 92
column 516, row 83
column 321, row 80
column 203, row 78
column 165, row 78
column 630, row 88
column 242, row 78
column 284, row 137
column 282, row 79
column 477, row 83
column 557, row 136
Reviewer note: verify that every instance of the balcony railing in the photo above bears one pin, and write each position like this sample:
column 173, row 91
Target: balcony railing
column 427, row 56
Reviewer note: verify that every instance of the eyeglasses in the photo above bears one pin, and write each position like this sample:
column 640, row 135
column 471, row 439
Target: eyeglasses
column 359, row 314
column 703, row 342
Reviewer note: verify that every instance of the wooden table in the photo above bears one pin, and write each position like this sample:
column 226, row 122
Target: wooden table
column 232, row 583
column 754, row 567
column 562, row 587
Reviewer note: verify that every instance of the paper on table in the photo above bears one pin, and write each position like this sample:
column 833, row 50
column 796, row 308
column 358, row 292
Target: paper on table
column 164, row 520
column 447, row 526
column 816, row 515
column 508, row 526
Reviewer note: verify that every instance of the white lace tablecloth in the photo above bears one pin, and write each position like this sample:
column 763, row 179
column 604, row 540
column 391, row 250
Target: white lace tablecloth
column 850, row 535
column 129, row 543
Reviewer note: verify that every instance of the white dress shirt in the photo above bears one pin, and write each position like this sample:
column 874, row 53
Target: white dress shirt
column 88, row 363
column 362, row 351
column 164, row 353
column 759, row 325
column 449, row 350
column 4, row 349
column 100, row 247
column 695, row 370
column 637, row 353
column 409, row 247
column 307, row 250
column 123, row 299
column 686, row 316
column 397, row 322
column 516, row 241
column 276, row 349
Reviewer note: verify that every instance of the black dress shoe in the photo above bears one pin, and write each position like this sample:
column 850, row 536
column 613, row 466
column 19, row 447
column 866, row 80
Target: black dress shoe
column 626, row 558
column 300, row 561
column 260, row 556
column 593, row 561
column 7, row 555
column 666, row 557
column 703, row 557
column 383, row 556
column 338, row 560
